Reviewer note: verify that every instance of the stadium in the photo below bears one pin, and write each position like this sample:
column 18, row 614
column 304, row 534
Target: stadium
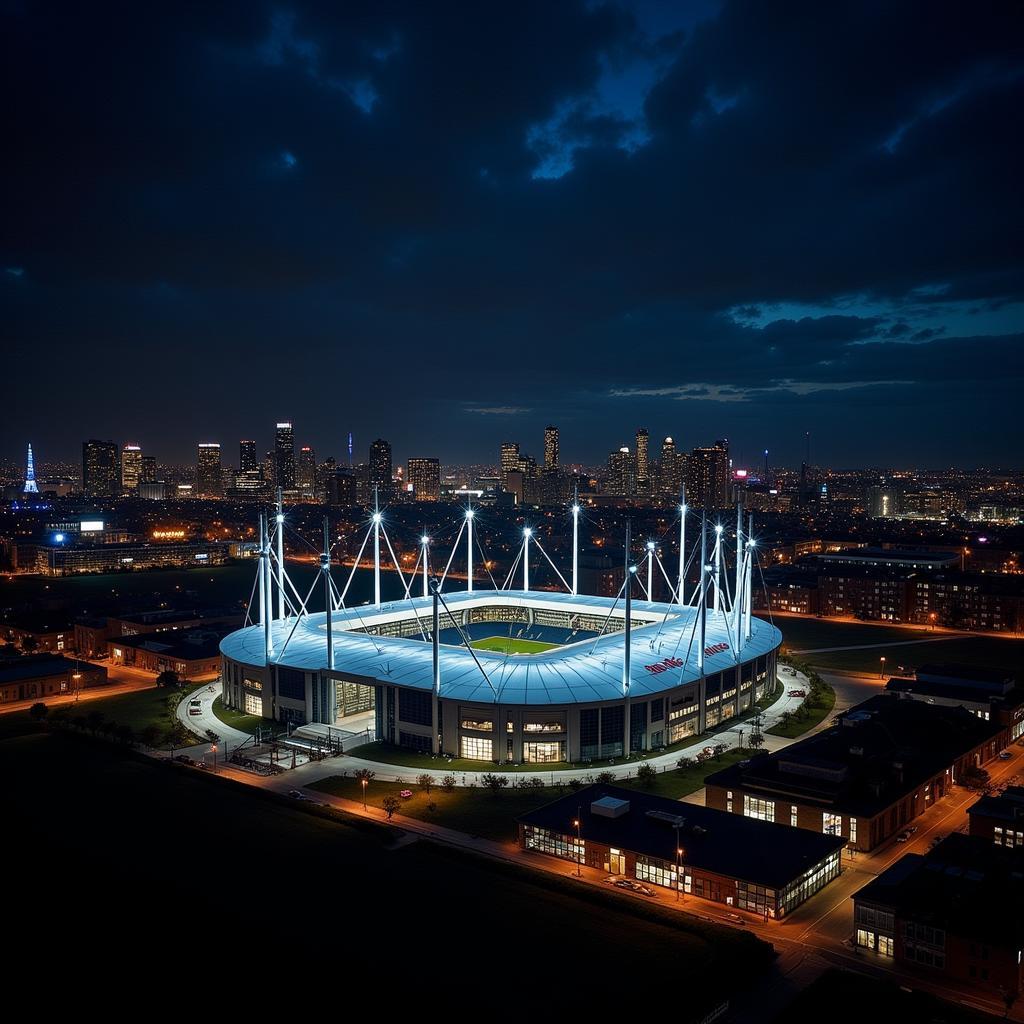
column 510, row 676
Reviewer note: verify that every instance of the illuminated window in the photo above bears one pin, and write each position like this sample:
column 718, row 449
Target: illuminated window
column 865, row 939
column 543, row 727
column 792, row 816
column 479, row 724
column 476, row 748
column 536, row 752
column 853, row 830
column 253, row 684
column 253, row 704
column 761, row 809
column 831, row 824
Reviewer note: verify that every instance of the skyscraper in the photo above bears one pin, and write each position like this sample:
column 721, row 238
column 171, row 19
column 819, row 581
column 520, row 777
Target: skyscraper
column 643, row 466
column 551, row 447
column 148, row 470
column 30, row 474
column 380, row 468
column 425, row 477
column 131, row 468
column 208, row 471
column 247, row 458
column 305, row 473
column 621, row 473
column 509, row 460
column 284, row 457
column 101, row 469
column 707, row 478
column 671, row 469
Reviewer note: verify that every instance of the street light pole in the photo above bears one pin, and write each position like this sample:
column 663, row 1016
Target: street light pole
column 579, row 842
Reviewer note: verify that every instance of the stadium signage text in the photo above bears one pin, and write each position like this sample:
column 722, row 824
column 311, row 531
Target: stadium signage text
column 663, row 666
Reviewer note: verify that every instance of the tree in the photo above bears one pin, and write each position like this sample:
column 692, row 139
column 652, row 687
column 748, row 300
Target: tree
column 426, row 782
column 756, row 741
column 168, row 679
column 448, row 783
column 720, row 749
column 364, row 773
column 150, row 734
column 29, row 644
column 605, row 778
column 646, row 775
column 495, row 783
column 390, row 805
column 39, row 711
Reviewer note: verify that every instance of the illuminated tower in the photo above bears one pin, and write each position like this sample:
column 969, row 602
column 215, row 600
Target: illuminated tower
column 131, row 468
column 30, row 474
column 551, row 447
column 284, row 457
column 643, row 467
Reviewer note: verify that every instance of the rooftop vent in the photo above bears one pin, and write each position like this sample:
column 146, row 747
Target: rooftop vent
column 609, row 807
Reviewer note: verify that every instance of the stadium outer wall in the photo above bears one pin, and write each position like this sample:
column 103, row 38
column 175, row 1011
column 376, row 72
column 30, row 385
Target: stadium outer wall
column 577, row 732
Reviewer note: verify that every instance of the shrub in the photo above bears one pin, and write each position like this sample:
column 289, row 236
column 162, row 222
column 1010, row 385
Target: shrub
column 448, row 783
column 685, row 762
column 426, row 782
column 495, row 783
column 605, row 778
column 646, row 775
column 38, row 711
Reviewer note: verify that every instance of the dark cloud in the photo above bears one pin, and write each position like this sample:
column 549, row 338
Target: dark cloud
column 382, row 216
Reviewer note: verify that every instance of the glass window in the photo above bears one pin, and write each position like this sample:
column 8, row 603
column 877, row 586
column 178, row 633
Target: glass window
column 566, row 846
column 652, row 869
column 853, row 830
column 416, row 707
column 793, row 815
column 831, row 824
column 755, row 808
column 256, row 685
column 476, row 748
column 543, row 727
column 865, row 939
column 253, row 704
column 537, row 752
column 479, row 724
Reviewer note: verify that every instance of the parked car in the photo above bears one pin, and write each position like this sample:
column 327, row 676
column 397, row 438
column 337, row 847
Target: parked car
column 798, row 693
column 195, row 711
column 296, row 795
column 1005, row 755
column 184, row 759
column 903, row 836
column 405, row 794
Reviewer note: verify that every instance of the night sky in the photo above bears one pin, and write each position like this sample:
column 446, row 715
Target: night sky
column 449, row 224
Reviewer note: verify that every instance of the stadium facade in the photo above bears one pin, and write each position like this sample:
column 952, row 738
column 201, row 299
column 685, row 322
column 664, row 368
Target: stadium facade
column 507, row 675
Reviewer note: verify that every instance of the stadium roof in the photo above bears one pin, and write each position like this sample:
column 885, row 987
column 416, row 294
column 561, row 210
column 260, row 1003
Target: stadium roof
column 583, row 672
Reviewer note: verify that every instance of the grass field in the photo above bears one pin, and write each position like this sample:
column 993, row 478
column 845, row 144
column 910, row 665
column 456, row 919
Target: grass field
column 239, row 719
column 904, row 648
column 112, row 836
column 511, row 645
column 480, row 812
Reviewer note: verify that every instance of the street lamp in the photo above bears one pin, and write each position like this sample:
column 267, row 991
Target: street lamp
column 679, row 870
column 363, row 781
column 579, row 843
column 214, row 749
column 881, row 666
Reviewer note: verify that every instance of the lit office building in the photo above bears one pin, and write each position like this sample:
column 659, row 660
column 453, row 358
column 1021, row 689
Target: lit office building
column 707, row 478
column 882, row 502
column 148, row 470
column 509, row 460
column 671, row 470
column 643, row 465
column 305, row 473
column 380, row 468
column 551, row 447
column 621, row 473
column 284, row 457
column 425, row 479
column 131, row 468
column 101, row 469
column 248, row 460
column 208, row 471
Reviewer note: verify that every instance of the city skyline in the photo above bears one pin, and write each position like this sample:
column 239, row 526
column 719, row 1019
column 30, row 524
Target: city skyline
column 643, row 221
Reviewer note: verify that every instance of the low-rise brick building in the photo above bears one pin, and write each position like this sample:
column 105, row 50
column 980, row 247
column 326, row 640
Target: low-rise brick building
column 885, row 762
column 36, row 677
column 954, row 913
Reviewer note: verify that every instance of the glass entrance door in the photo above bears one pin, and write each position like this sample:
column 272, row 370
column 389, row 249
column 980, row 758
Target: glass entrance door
column 617, row 862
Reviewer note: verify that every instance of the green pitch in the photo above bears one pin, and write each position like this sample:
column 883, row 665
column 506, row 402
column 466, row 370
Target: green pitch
column 510, row 645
